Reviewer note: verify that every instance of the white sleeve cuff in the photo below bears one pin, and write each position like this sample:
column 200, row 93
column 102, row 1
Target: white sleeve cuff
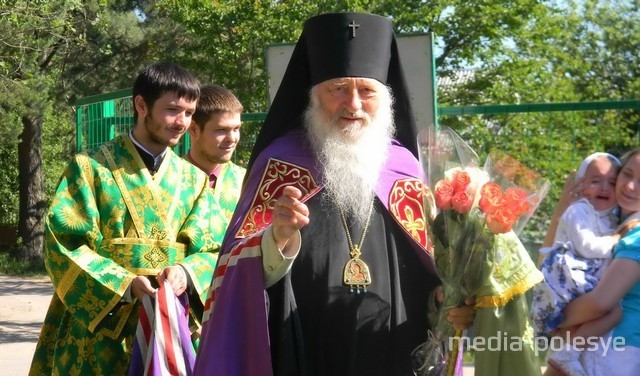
column 274, row 264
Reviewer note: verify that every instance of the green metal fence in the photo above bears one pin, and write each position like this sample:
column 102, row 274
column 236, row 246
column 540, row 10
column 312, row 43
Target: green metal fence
column 100, row 118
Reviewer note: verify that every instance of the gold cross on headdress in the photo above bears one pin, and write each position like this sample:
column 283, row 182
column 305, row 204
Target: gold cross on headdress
column 353, row 25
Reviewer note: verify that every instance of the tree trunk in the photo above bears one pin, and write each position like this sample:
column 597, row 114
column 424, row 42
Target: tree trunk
column 31, row 185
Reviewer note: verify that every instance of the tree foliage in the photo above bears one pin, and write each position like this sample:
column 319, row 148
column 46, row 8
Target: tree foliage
column 51, row 52
column 520, row 51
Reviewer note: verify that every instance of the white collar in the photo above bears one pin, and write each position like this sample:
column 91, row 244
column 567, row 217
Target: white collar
column 156, row 159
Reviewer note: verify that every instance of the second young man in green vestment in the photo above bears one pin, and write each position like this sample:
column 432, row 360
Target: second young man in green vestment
column 214, row 137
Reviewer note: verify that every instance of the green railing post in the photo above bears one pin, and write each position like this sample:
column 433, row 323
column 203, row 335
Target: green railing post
column 79, row 128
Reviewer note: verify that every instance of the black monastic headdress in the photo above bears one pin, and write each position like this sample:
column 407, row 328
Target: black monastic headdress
column 339, row 45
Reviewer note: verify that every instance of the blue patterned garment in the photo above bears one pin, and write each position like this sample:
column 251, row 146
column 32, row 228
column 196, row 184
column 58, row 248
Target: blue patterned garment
column 567, row 275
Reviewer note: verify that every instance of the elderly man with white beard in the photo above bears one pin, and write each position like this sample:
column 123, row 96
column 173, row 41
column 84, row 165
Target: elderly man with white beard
column 326, row 267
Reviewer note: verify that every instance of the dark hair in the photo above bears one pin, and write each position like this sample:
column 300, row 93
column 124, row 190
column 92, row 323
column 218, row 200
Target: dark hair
column 214, row 99
column 158, row 78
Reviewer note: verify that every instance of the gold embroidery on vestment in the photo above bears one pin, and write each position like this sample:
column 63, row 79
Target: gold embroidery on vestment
column 503, row 298
column 124, row 191
column 277, row 175
column 124, row 312
column 156, row 257
column 141, row 241
column 176, row 197
column 67, row 280
column 157, row 233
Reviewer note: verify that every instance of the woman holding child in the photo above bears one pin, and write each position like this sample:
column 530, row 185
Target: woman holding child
column 620, row 285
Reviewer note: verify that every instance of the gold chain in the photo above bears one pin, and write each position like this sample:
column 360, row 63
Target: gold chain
column 354, row 251
column 356, row 274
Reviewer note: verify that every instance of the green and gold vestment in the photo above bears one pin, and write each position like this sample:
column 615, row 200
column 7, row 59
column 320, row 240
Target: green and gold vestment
column 110, row 221
column 228, row 186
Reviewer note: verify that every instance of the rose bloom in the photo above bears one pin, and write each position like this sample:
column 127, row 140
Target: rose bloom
column 448, row 174
column 501, row 221
column 516, row 201
column 491, row 198
column 461, row 202
column 460, row 180
column 443, row 193
column 479, row 178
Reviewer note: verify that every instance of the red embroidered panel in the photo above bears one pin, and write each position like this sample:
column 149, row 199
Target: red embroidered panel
column 409, row 202
column 277, row 175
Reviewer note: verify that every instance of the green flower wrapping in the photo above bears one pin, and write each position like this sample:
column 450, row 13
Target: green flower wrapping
column 464, row 254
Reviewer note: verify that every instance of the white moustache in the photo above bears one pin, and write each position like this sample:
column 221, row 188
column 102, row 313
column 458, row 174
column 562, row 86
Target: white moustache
column 355, row 115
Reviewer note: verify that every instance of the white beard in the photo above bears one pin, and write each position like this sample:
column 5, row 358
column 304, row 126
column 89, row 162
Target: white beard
column 351, row 159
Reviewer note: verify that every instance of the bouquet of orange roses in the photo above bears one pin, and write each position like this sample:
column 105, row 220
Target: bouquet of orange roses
column 473, row 215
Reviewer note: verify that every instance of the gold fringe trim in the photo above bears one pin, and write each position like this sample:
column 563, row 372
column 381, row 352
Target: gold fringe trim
column 502, row 299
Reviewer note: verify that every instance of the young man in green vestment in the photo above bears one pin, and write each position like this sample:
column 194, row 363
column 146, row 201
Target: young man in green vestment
column 126, row 216
column 214, row 137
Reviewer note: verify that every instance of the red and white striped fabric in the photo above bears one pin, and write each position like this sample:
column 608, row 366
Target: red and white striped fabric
column 249, row 247
column 163, row 342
